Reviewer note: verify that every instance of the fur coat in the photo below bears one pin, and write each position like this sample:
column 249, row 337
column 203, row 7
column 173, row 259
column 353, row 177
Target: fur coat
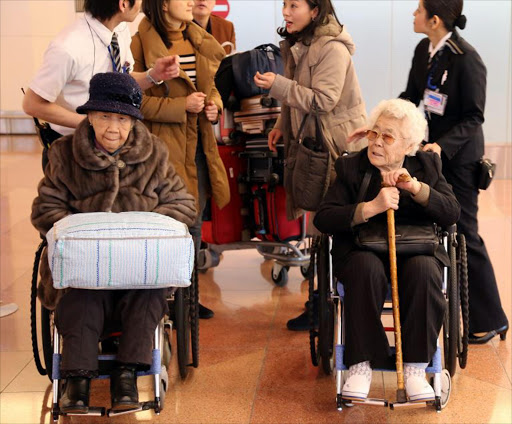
column 80, row 178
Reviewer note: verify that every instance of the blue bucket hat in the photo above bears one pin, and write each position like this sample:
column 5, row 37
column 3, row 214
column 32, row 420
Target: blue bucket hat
column 114, row 92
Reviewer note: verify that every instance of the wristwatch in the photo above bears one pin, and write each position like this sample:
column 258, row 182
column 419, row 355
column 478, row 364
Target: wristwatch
column 151, row 79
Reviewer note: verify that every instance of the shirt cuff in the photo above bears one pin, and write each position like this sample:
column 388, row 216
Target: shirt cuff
column 423, row 195
column 358, row 215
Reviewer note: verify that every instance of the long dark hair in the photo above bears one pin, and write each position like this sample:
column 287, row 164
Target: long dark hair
column 154, row 11
column 325, row 9
column 103, row 9
column 449, row 11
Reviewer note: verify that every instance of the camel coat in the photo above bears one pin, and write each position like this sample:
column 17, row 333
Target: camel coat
column 324, row 70
column 80, row 178
column 223, row 30
column 163, row 106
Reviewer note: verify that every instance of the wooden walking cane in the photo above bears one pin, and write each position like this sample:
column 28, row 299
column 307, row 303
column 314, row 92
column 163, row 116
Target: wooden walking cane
column 400, row 392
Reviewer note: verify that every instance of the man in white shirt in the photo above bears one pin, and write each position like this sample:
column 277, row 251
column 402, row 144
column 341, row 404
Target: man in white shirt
column 83, row 50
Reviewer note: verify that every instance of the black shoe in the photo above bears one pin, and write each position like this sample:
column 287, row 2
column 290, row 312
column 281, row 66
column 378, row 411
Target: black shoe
column 205, row 313
column 123, row 388
column 502, row 331
column 75, row 399
column 301, row 323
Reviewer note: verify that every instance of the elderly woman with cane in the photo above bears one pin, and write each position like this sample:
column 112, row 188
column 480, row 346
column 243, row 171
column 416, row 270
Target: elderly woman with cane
column 390, row 174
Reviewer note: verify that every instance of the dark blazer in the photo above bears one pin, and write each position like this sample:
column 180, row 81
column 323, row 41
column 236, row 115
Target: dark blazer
column 459, row 130
column 223, row 30
column 337, row 210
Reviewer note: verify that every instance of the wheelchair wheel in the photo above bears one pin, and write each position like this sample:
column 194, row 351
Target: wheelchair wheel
column 313, row 334
column 47, row 337
column 194, row 318
column 462, row 258
column 452, row 317
column 182, row 317
column 45, row 320
column 325, row 308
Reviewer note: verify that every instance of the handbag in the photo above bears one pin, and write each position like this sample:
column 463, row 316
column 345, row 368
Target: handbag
column 486, row 173
column 411, row 239
column 312, row 167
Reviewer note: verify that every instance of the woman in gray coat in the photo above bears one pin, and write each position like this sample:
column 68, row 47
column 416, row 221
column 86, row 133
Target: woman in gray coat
column 317, row 52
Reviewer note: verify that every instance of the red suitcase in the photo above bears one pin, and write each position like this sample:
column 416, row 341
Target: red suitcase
column 269, row 213
column 229, row 224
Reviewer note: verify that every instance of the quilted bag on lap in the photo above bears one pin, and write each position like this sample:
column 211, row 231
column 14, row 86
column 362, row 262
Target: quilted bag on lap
column 127, row 250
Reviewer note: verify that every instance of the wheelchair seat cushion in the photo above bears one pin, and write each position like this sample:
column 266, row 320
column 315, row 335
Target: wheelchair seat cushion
column 127, row 250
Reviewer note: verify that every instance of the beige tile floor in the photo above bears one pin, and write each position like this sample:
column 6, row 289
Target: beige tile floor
column 252, row 370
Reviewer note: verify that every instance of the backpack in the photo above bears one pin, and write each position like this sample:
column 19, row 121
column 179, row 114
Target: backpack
column 236, row 72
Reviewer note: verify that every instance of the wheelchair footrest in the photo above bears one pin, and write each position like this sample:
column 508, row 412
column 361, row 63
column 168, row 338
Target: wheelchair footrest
column 394, row 405
column 94, row 411
column 113, row 413
column 369, row 401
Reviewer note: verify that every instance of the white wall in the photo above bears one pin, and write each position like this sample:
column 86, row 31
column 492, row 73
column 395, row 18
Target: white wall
column 382, row 30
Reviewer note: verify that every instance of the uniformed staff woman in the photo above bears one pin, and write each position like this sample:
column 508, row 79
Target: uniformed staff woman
column 449, row 76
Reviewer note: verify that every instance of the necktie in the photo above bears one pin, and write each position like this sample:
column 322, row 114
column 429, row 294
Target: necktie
column 116, row 53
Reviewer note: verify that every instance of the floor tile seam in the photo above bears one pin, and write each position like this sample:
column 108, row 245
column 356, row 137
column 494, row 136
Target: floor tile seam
column 16, row 376
column 264, row 359
column 491, row 383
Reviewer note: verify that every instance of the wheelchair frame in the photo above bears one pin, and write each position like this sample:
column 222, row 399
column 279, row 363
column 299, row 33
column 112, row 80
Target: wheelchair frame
column 184, row 301
column 326, row 343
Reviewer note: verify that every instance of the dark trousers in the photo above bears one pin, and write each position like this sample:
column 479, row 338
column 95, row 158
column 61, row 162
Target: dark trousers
column 365, row 276
column 203, row 182
column 485, row 311
column 84, row 316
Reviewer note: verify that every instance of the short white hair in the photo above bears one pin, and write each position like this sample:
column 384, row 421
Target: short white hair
column 414, row 123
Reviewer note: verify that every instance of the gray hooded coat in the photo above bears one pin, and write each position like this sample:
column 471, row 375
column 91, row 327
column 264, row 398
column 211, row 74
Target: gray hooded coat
column 323, row 70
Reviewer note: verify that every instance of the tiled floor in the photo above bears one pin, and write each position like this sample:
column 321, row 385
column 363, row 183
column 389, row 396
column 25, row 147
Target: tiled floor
column 252, row 370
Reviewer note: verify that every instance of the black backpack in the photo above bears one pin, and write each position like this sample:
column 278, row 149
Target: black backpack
column 236, row 72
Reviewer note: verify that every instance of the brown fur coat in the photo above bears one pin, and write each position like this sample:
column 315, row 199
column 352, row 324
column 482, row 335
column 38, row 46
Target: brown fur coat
column 80, row 178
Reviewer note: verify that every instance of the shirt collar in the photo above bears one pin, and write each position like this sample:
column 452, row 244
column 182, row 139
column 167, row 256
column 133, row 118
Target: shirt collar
column 433, row 50
column 103, row 33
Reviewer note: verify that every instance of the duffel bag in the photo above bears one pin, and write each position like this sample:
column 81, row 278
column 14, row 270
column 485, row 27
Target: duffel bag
column 127, row 250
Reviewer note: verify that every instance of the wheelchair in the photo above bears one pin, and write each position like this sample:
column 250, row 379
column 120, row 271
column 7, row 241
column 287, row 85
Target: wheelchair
column 184, row 312
column 326, row 343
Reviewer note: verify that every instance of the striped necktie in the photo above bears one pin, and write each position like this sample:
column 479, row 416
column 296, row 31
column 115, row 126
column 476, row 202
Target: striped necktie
column 116, row 53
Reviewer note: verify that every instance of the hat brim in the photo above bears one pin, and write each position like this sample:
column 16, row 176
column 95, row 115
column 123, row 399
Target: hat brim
column 110, row 106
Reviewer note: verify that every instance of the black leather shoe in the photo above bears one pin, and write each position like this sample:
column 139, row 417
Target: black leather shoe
column 75, row 399
column 301, row 323
column 205, row 313
column 123, row 388
column 502, row 331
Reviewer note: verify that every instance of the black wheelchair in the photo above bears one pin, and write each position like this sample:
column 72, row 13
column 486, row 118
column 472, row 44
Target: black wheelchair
column 183, row 316
column 326, row 343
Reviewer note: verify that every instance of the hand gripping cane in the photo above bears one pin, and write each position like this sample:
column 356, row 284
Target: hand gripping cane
column 400, row 392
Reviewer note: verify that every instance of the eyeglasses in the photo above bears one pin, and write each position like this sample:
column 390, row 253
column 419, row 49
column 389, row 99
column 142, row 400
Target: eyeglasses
column 373, row 135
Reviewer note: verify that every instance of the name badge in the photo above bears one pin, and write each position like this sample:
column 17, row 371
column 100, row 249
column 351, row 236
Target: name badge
column 435, row 102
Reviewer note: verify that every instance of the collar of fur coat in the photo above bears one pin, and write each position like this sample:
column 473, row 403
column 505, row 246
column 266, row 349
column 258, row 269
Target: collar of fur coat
column 137, row 148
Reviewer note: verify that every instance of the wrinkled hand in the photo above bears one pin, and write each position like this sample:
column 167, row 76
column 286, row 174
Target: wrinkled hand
column 273, row 137
column 195, row 102
column 401, row 179
column 166, row 68
column 265, row 80
column 211, row 111
column 432, row 147
column 357, row 135
column 387, row 198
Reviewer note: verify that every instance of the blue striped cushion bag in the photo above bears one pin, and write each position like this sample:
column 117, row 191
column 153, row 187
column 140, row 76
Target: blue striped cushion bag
column 127, row 250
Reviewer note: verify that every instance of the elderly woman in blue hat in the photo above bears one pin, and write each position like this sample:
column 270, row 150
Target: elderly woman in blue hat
column 111, row 163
